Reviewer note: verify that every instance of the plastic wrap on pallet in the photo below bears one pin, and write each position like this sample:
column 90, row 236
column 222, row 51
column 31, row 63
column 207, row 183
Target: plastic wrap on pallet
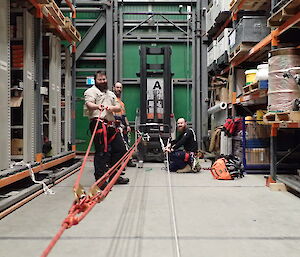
column 226, row 144
column 218, row 107
column 283, row 89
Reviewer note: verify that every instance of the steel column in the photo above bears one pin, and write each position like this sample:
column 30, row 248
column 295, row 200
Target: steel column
column 73, row 92
column 204, row 77
column 68, row 92
column 116, row 44
column 273, row 152
column 39, row 83
column 167, row 86
column 198, row 75
column 55, row 94
column 109, row 46
column 5, row 84
column 194, row 87
column 28, row 79
column 143, row 86
column 121, row 40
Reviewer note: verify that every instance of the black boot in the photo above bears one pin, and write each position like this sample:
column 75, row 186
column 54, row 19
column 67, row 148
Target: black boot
column 122, row 180
column 131, row 164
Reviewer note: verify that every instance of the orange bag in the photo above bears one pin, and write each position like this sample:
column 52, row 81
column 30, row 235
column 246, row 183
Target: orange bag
column 220, row 171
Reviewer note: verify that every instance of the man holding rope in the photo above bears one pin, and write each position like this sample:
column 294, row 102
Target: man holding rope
column 109, row 146
column 121, row 119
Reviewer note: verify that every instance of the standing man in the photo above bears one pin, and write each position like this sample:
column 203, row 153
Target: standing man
column 122, row 118
column 183, row 148
column 109, row 146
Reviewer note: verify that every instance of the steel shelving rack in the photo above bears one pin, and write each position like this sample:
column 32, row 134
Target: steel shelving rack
column 279, row 26
column 45, row 16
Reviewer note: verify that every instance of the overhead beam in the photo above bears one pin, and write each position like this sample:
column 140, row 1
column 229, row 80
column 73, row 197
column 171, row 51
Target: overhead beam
column 90, row 35
column 157, row 1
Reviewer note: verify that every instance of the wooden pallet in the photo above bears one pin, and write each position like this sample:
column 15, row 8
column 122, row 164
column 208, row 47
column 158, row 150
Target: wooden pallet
column 253, row 5
column 251, row 88
column 284, row 13
column 275, row 117
column 240, row 51
column 71, row 30
column 56, row 13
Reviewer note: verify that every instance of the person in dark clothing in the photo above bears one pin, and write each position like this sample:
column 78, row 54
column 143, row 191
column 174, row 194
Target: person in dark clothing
column 182, row 149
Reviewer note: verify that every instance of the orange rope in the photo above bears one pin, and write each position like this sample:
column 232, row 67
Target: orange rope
column 86, row 155
column 86, row 204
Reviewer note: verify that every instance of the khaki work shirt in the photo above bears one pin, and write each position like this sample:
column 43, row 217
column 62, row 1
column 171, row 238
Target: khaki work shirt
column 94, row 95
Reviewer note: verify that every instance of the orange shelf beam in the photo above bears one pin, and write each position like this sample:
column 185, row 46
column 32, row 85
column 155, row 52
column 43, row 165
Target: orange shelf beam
column 16, row 177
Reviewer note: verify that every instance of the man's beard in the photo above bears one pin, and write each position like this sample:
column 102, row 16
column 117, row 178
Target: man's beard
column 118, row 94
column 180, row 129
column 102, row 86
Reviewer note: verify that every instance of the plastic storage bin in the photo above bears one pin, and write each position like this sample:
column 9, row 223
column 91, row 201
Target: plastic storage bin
column 250, row 29
column 211, row 53
column 223, row 46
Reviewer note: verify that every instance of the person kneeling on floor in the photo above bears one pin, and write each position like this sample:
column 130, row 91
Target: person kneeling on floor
column 182, row 149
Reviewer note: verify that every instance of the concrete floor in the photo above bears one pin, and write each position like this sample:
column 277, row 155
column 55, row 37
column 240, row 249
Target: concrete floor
column 240, row 218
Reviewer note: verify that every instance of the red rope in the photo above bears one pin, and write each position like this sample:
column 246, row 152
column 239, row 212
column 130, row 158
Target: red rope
column 76, row 185
column 54, row 240
column 86, row 204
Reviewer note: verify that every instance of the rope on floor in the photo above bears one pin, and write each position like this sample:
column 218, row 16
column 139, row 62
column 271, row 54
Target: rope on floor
column 171, row 195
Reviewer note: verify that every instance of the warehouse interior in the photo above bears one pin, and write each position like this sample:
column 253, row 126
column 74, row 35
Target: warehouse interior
column 229, row 68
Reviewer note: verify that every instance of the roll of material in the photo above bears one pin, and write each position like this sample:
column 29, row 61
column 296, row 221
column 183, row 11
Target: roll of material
column 283, row 90
column 218, row 107
column 225, row 144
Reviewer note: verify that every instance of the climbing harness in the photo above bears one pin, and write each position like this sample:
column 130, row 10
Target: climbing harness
column 84, row 202
column 171, row 196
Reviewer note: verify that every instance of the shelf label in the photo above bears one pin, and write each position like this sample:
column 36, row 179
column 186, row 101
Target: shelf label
column 3, row 65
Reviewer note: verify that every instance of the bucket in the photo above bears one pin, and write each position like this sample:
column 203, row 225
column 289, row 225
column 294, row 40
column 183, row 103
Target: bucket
column 283, row 66
column 250, row 76
column 262, row 72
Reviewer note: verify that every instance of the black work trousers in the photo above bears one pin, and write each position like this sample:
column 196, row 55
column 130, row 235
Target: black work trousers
column 116, row 149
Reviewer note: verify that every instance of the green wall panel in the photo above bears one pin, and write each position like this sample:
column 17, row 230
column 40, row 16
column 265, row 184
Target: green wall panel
column 131, row 98
column 180, row 62
column 135, row 8
column 82, row 123
column 182, row 105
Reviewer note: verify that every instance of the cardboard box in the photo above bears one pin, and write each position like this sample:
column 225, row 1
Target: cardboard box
column 16, row 146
